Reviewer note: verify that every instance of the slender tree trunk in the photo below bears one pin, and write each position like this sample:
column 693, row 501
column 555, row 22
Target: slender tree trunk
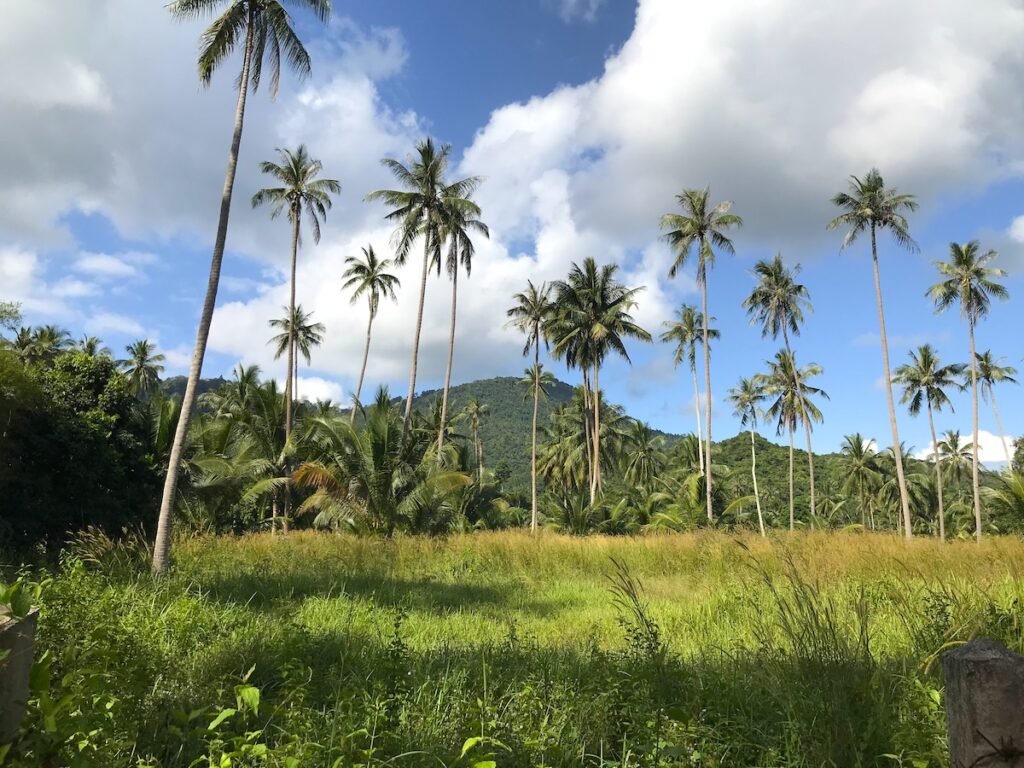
column 792, row 502
column 696, row 408
column 753, row 475
column 290, row 381
column 362, row 371
column 587, row 430
column 897, row 451
column 162, row 543
column 479, row 454
column 1002, row 434
column 448, row 369
column 533, row 446
column 416, row 341
column 938, row 475
column 707, row 388
column 807, row 423
column 975, row 482
column 596, row 481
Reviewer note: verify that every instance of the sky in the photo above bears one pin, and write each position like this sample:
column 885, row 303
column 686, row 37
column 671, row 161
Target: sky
column 584, row 118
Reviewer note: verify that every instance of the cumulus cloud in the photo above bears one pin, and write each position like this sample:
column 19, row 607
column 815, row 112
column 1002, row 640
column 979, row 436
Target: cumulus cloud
column 990, row 447
column 112, row 322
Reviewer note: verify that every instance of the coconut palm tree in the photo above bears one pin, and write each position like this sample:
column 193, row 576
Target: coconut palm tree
column 778, row 302
column 300, row 192
column 792, row 404
column 968, row 280
column 41, row 345
column 92, row 346
column 142, row 367
column 476, row 413
column 369, row 277
column 870, row 207
column 591, row 322
column 990, row 373
column 746, row 398
column 955, row 455
column 687, row 331
column 306, row 336
column 458, row 221
column 862, row 474
column 925, row 381
column 530, row 314
column 701, row 227
column 642, row 459
column 263, row 30
column 419, row 209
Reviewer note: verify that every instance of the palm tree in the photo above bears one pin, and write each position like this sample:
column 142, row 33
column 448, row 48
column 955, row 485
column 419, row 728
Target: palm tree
column 300, row 191
column 41, row 345
column 704, row 226
column 746, row 398
column 990, row 373
column 687, row 331
column 530, row 314
column 968, row 280
column 369, row 277
column 861, row 474
column 955, row 455
column 306, row 336
column 778, row 302
column 642, row 457
column 476, row 413
column 924, row 381
column 419, row 209
column 593, row 320
column 92, row 346
column 142, row 367
column 869, row 207
column 792, row 404
column 458, row 220
column 263, row 27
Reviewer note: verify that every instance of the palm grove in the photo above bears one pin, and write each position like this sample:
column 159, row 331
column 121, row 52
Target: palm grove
column 251, row 455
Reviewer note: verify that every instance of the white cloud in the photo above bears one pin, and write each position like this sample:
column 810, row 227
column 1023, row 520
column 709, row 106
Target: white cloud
column 111, row 322
column 990, row 447
column 573, row 10
column 1016, row 230
column 105, row 265
column 314, row 388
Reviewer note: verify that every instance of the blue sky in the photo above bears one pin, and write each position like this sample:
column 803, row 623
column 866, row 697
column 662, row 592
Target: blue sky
column 584, row 117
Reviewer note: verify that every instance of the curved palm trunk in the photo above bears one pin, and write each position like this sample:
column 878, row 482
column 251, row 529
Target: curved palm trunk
column 975, row 482
column 792, row 502
column 696, row 408
column 707, row 388
column 448, row 370
column 595, row 483
column 938, row 475
column 1002, row 433
column 753, row 475
column 362, row 371
column 533, row 446
column 162, row 543
column 807, row 424
column 897, row 452
column 416, row 342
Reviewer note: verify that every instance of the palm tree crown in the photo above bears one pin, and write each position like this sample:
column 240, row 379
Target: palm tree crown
column 687, row 331
column 925, row 380
column 991, row 372
column 531, row 312
column 369, row 277
column 301, row 190
column 778, row 301
column 699, row 224
column 142, row 366
column 869, row 206
column 307, row 333
column 968, row 280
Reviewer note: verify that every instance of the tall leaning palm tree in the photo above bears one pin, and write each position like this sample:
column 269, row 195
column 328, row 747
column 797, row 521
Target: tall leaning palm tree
column 925, row 381
column 530, row 314
column 990, row 373
column 263, row 31
column 778, row 302
column 142, row 367
column 300, row 191
column 968, row 280
column 746, row 398
column 300, row 330
column 369, row 278
column 418, row 209
column 869, row 206
column 701, row 227
column 687, row 331
column 458, row 220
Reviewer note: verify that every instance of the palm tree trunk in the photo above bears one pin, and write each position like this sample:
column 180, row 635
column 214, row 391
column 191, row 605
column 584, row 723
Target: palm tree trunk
column 938, row 475
column 533, row 446
column 792, row 502
column 807, row 423
column 596, row 482
column 479, row 455
column 707, row 394
column 448, row 370
column 753, row 475
column 587, row 432
column 162, row 543
column 975, row 483
column 696, row 408
column 362, row 371
column 1002, row 434
column 290, row 381
column 897, row 451
column 416, row 341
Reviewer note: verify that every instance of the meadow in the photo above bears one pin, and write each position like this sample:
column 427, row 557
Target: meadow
column 317, row 649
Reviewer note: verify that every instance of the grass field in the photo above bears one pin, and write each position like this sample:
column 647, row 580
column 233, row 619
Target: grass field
column 810, row 650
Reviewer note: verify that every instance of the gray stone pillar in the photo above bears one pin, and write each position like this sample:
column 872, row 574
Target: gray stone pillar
column 17, row 637
column 984, row 705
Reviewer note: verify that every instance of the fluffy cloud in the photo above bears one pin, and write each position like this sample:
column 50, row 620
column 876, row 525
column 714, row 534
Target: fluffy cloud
column 990, row 447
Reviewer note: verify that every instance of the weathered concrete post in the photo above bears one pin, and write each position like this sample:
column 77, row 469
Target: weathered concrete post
column 17, row 638
column 984, row 705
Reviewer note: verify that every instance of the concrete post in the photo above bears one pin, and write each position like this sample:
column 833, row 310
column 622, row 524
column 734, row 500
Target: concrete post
column 984, row 705
column 17, row 638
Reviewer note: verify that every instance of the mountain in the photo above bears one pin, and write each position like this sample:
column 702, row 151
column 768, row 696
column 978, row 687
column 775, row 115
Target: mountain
column 175, row 385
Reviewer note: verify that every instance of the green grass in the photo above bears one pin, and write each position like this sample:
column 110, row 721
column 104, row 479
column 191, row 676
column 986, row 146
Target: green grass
column 807, row 650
